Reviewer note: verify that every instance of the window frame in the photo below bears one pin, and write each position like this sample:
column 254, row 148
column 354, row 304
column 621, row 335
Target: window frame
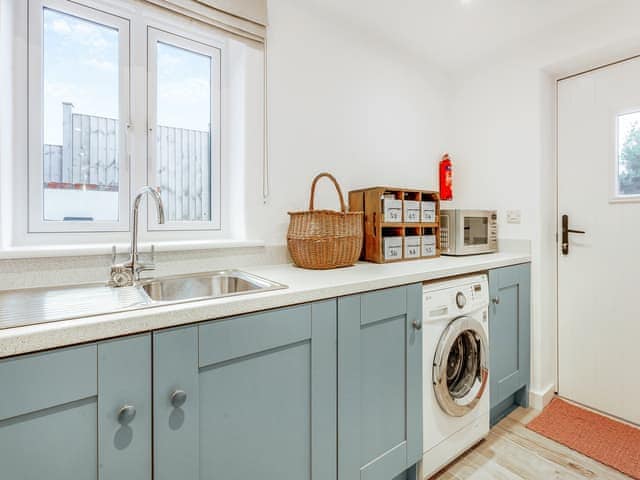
column 243, row 147
column 35, row 195
column 177, row 37
column 615, row 196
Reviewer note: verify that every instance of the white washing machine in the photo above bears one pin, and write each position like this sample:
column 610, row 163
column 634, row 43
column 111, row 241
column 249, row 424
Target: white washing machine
column 455, row 369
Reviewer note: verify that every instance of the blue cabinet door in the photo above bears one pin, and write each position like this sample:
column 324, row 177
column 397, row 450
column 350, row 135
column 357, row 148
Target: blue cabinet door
column 248, row 397
column 124, row 408
column 59, row 413
column 509, row 338
column 379, row 383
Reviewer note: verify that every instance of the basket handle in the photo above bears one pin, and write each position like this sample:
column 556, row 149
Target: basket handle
column 343, row 207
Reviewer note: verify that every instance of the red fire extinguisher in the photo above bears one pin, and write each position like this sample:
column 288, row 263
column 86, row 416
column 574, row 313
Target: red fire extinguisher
column 446, row 178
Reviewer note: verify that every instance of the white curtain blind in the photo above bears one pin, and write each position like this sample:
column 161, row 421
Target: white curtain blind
column 247, row 18
column 253, row 10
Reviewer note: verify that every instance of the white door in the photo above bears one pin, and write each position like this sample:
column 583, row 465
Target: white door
column 599, row 276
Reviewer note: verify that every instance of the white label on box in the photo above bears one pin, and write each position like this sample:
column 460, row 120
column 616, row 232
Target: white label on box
column 412, row 216
column 428, row 216
column 411, row 211
column 392, row 210
column 428, row 250
column 428, row 245
column 393, row 253
column 428, row 211
column 412, row 247
column 392, row 248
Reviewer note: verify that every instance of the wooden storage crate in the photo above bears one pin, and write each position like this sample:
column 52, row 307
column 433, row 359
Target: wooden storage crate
column 370, row 201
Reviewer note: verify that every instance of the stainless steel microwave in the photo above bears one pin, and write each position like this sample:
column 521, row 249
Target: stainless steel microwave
column 468, row 232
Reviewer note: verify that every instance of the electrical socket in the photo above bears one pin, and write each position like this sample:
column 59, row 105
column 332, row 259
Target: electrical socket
column 513, row 216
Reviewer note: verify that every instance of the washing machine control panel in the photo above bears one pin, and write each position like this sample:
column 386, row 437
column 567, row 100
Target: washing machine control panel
column 461, row 300
column 458, row 299
column 471, row 297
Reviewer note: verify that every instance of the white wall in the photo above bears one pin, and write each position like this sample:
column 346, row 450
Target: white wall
column 501, row 149
column 503, row 144
column 341, row 101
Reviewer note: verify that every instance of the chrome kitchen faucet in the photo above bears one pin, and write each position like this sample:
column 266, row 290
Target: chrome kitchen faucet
column 125, row 274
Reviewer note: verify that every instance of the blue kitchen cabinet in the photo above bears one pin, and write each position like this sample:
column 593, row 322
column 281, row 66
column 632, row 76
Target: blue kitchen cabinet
column 509, row 338
column 380, row 384
column 248, row 397
column 81, row 412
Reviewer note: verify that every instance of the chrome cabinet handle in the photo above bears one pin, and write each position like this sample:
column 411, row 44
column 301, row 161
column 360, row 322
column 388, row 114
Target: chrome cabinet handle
column 417, row 325
column 495, row 300
column 178, row 398
column 126, row 414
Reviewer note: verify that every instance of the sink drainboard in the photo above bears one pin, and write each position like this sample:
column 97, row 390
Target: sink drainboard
column 42, row 305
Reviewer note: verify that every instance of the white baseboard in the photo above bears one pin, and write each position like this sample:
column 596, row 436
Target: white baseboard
column 540, row 399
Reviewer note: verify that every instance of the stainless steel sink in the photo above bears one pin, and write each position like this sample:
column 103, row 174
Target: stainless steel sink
column 181, row 288
column 41, row 305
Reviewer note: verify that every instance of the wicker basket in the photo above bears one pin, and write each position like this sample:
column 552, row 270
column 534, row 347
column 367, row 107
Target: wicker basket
column 323, row 239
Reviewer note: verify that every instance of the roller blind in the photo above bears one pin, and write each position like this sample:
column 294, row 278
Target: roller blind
column 253, row 10
column 247, row 18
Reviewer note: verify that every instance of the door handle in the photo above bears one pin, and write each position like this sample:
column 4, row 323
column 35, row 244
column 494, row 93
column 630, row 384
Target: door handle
column 178, row 398
column 565, row 234
column 126, row 414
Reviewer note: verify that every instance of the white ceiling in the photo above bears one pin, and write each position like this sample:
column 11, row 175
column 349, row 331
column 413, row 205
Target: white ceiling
column 456, row 34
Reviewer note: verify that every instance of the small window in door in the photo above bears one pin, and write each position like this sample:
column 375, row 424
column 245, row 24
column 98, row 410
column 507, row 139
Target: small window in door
column 628, row 155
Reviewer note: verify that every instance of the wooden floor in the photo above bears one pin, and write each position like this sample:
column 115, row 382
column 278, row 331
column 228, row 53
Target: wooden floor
column 512, row 452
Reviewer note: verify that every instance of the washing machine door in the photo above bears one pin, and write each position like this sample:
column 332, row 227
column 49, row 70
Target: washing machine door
column 461, row 366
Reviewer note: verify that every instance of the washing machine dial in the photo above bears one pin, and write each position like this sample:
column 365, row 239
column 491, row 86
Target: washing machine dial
column 461, row 300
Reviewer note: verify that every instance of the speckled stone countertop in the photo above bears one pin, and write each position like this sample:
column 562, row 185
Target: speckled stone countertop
column 303, row 286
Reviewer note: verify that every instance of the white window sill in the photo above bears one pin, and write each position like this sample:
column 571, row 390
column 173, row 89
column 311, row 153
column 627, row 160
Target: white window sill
column 105, row 249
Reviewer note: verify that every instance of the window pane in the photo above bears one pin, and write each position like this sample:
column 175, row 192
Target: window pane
column 80, row 97
column 183, row 153
column 629, row 154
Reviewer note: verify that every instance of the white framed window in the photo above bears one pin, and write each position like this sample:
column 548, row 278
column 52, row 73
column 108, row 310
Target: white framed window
column 627, row 156
column 184, row 115
column 101, row 92
column 91, row 86
column 78, row 166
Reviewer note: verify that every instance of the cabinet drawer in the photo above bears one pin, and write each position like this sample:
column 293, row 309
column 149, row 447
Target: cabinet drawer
column 224, row 340
column 47, row 379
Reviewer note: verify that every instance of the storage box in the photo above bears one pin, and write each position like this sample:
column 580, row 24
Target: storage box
column 392, row 248
column 412, row 247
column 384, row 214
column 392, row 209
column 428, row 211
column 428, row 245
column 411, row 211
